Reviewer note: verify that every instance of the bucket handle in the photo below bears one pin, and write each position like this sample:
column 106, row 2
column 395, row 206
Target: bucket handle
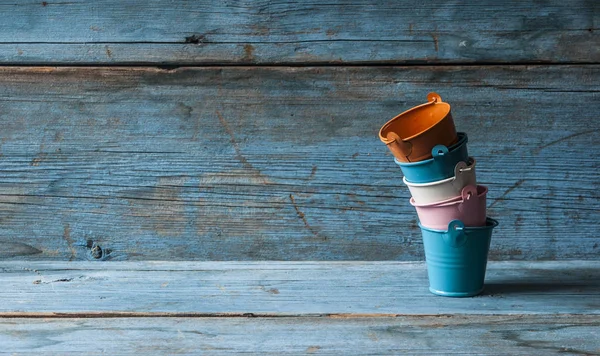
column 439, row 151
column 461, row 167
column 400, row 147
column 469, row 198
column 469, row 192
column 434, row 97
column 397, row 145
column 455, row 236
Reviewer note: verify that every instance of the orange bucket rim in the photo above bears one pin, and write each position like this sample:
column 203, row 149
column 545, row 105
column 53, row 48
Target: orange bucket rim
column 433, row 99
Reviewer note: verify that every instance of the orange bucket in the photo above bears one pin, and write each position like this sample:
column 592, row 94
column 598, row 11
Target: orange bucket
column 411, row 135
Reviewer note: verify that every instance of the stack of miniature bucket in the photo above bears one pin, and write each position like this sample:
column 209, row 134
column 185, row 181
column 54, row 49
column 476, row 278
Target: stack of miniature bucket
column 450, row 205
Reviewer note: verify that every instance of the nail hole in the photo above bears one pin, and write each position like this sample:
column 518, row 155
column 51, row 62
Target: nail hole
column 96, row 252
column 195, row 39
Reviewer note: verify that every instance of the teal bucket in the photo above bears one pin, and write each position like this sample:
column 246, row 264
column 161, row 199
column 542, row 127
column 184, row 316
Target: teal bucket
column 441, row 166
column 457, row 258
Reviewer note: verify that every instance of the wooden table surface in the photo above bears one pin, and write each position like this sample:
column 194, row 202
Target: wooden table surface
column 294, row 308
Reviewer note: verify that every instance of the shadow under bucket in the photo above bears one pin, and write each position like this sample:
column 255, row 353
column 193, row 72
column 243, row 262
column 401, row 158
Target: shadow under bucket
column 457, row 258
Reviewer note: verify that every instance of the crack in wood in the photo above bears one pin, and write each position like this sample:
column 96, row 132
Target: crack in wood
column 238, row 152
column 435, row 42
column 234, row 143
column 538, row 149
column 303, row 217
column 61, row 280
column 506, row 192
column 313, row 171
column 516, row 336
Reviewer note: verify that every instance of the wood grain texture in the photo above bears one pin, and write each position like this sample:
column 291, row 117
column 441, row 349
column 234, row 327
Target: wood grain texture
column 283, row 163
column 432, row 335
column 287, row 289
column 266, row 32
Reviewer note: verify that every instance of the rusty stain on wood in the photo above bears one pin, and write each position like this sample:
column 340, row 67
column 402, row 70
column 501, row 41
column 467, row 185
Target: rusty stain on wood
column 69, row 240
column 41, row 70
column 312, row 349
column 39, row 159
column 270, row 290
column 515, row 252
column 160, row 207
column 434, row 36
column 248, row 52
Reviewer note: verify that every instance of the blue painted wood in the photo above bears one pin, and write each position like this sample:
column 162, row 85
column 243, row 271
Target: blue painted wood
column 431, row 335
column 242, row 32
column 342, row 289
column 283, row 163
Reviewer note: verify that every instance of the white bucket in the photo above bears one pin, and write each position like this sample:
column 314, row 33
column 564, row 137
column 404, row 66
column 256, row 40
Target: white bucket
column 426, row 193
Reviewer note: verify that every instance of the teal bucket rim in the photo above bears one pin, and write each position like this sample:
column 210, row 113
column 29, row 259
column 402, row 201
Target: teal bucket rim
column 463, row 139
column 489, row 224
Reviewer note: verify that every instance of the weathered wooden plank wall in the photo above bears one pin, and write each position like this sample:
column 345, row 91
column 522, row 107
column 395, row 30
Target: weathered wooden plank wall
column 280, row 162
column 193, row 32
column 247, row 130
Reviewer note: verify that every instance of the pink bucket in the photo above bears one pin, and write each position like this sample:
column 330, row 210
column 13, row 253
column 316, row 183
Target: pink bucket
column 469, row 208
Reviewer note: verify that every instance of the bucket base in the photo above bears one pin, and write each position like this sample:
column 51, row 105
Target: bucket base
column 456, row 294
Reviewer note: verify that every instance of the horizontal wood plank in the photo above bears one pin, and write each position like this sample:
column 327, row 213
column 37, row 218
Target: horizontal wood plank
column 287, row 289
column 266, row 32
column 430, row 335
column 283, row 163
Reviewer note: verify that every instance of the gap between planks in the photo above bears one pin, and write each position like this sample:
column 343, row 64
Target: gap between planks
column 112, row 315
column 316, row 64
